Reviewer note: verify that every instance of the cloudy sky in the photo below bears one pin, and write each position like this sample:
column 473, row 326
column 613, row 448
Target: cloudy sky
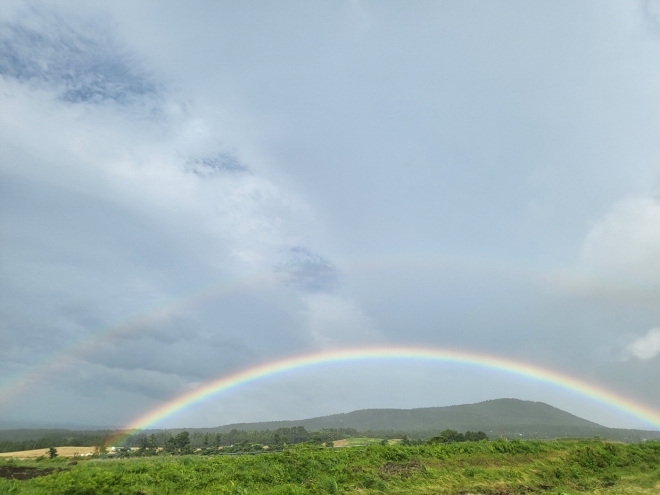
column 191, row 189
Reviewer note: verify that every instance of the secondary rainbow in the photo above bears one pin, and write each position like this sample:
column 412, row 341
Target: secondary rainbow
column 21, row 381
column 58, row 361
column 459, row 357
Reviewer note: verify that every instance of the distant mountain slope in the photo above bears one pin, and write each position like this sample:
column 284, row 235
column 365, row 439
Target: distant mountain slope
column 510, row 418
column 463, row 417
column 36, row 433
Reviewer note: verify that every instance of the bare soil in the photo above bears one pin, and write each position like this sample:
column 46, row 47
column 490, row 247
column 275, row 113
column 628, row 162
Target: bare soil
column 24, row 473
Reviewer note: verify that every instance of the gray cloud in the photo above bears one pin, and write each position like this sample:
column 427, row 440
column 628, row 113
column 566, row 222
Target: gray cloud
column 318, row 177
column 308, row 271
column 651, row 13
column 215, row 164
column 81, row 60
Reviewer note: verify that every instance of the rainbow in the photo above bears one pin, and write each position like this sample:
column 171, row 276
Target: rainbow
column 65, row 357
column 21, row 381
column 532, row 372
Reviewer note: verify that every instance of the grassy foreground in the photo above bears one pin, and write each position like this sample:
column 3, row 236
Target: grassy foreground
column 500, row 467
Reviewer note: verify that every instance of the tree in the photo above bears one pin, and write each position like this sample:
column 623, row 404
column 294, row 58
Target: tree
column 182, row 441
column 52, row 452
column 124, row 452
column 451, row 436
column 448, row 436
column 179, row 444
column 170, row 446
column 316, row 439
column 278, row 440
column 101, row 447
column 147, row 445
column 475, row 436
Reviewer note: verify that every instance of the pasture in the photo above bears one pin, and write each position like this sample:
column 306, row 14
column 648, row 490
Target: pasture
column 493, row 468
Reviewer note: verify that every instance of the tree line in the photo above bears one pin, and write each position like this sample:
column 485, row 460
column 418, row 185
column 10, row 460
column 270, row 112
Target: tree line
column 234, row 441
column 238, row 440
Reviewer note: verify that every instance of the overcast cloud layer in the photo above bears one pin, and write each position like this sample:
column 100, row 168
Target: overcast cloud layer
column 187, row 190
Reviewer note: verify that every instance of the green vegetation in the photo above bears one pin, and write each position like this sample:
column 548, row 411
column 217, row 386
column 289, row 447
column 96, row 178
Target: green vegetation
column 235, row 440
column 359, row 441
column 450, row 436
column 499, row 467
column 509, row 418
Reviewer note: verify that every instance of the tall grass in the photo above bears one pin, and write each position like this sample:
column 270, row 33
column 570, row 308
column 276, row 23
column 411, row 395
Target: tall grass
column 499, row 467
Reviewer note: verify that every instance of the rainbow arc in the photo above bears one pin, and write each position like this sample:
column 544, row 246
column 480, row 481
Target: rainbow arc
column 532, row 372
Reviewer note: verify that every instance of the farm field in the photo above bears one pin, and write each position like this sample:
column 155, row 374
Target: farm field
column 61, row 451
column 493, row 468
column 359, row 441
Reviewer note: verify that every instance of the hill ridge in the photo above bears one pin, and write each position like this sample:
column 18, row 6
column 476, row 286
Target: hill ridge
column 507, row 411
column 509, row 418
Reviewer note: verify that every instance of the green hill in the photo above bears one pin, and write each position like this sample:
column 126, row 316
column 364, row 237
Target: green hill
column 462, row 417
column 510, row 418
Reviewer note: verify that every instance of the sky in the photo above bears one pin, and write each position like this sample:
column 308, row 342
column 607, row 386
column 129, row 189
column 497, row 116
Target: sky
column 191, row 189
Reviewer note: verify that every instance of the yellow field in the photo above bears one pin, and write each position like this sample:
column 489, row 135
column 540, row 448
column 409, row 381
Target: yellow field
column 61, row 451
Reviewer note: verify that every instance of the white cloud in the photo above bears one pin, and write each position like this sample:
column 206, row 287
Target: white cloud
column 136, row 209
column 143, row 167
column 626, row 241
column 335, row 321
column 647, row 346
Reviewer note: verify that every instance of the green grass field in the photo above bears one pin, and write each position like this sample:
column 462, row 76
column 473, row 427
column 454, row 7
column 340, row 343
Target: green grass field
column 500, row 467
column 360, row 441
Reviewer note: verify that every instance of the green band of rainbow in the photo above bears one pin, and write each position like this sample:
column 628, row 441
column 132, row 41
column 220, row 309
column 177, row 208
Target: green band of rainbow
column 526, row 370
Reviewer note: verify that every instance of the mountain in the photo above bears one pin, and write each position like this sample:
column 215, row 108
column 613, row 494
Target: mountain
column 510, row 418
column 32, row 425
column 22, row 434
column 498, row 412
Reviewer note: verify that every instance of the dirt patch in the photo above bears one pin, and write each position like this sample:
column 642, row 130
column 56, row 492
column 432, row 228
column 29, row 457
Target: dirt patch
column 24, row 473
column 340, row 443
column 403, row 469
